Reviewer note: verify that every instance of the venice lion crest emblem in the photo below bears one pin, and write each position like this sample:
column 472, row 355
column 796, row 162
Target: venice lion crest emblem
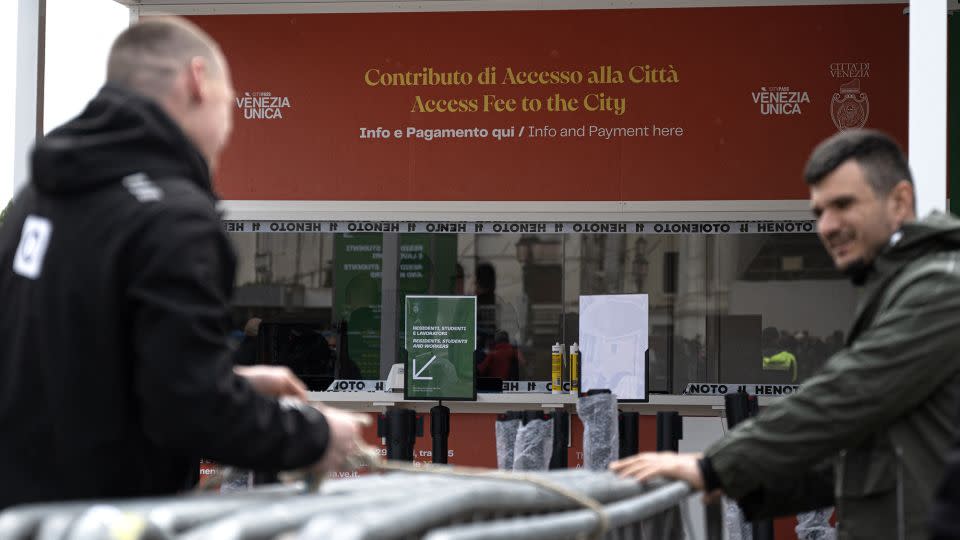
column 849, row 107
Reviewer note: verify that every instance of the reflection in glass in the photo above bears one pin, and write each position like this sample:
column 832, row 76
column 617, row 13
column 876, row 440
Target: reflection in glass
column 746, row 308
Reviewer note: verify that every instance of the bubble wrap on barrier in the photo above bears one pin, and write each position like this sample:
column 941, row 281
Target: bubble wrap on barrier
column 506, row 442
column 815, row 525
column 236, row 480
column 534, row 446
column 738, row 528
column 601, row 435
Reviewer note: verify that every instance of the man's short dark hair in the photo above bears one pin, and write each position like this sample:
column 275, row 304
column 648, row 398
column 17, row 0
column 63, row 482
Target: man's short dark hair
column 880, row 156
column 148, row 55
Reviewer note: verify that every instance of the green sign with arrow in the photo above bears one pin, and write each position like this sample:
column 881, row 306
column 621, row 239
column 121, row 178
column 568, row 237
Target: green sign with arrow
column 440, row 338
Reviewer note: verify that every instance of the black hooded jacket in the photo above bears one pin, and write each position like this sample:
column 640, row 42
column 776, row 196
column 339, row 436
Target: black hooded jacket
column 115, row 276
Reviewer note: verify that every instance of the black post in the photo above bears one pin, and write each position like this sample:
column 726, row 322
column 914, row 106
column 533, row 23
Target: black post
column 669, row 431
column 561, row 434
column 754, row 404
column 400, row 430
column 762, row 530
column 741, row 406
column 738, row 408
column 629, row 427
column 713, row 515
column 440, row 432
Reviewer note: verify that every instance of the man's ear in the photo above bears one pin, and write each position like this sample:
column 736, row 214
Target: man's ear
column 196, row 75
column 902, row 200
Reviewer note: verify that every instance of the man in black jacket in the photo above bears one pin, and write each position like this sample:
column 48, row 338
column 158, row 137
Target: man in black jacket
column 115, row 274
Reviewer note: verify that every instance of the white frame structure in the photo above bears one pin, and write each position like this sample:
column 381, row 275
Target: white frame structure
column 927, row 124
column 930, row 186
column 927, row 131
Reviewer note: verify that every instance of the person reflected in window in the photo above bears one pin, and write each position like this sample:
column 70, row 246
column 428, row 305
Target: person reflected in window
column 485, row 289
column 308, row 353
column 502, row 361
column 339, row 342
column 246, row 354
column 362, row 308
column 457, row 283
column 835, row 341
column 776, row 356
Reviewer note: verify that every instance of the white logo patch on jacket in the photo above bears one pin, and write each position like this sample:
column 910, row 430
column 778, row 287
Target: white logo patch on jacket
column 34, row 241
column 140, row 186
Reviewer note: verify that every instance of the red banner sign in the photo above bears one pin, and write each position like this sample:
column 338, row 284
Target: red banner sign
column 634, row 105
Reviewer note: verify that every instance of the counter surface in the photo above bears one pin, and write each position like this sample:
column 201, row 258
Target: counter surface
column 498, row 403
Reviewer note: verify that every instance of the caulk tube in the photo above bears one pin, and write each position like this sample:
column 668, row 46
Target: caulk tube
column 575, row 369
column 557, row 369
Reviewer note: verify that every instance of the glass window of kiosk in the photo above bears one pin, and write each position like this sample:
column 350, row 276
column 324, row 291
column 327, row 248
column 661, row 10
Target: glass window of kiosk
column 738, row 308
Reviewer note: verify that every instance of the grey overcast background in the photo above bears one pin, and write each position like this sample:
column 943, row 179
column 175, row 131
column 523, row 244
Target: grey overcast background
column 79, row 34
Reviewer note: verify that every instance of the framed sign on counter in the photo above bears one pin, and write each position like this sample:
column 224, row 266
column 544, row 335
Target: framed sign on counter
column 440, row 337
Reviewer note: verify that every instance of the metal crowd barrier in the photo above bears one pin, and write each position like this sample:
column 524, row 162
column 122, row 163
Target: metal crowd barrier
column 395, row 506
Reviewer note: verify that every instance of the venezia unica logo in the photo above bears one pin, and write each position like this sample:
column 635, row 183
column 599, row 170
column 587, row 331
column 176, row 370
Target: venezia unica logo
column 779, row 100
column 263, row 105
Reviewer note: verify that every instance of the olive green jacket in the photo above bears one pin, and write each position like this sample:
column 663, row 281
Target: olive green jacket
column 881, row 411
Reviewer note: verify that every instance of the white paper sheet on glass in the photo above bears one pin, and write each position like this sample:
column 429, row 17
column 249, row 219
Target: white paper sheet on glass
column 613, row 343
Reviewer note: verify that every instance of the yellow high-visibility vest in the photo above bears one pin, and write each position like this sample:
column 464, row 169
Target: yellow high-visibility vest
column 782, row 361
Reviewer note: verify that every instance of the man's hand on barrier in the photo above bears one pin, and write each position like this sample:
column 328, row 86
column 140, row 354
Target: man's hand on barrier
column 275, row 381
column 648, row 465
column 345, row 436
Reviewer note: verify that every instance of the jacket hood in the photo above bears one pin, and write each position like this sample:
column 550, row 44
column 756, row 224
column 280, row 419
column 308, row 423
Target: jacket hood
column 944, row 229
column 119, row 133
column 936, row 232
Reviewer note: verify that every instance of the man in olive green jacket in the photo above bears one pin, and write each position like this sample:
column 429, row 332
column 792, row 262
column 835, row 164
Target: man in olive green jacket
column 870, row 431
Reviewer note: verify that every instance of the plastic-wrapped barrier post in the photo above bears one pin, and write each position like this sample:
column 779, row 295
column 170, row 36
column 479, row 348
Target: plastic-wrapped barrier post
column 439, row 432
column 561, row 434
column 815, row 525
column 506, row 428
column 737, row 527
column 236, row 480
column 534, row 443
column 601, row 439
column 629, row 433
